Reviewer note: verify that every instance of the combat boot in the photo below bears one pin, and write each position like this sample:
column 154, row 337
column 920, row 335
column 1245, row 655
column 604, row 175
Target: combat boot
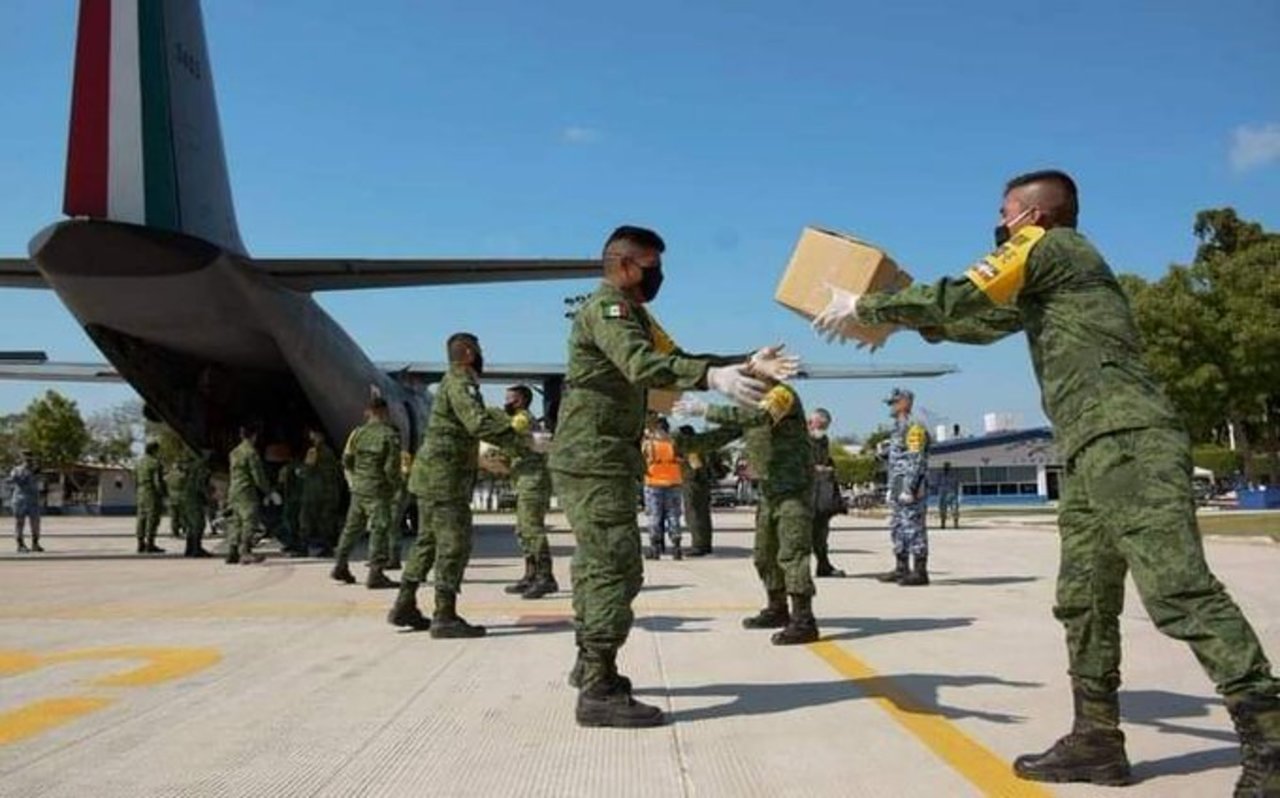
column 899, row 572
column 142, row 546
column 22, row 546
column 918, row 576
column 1093, row 752
column 152, row 548
column 773, row 616
column 575, row 675
column 803, row 627
column 376, row 580
column 1257, row 721
column 36, row 547
column 446, row 622
column 405, row 612
column 826, row 570
column 233, row 557
column 520, row 586
column 342, row 572
column 607, row 701
column 252, row 558
column 544, row 582
column 677, row 553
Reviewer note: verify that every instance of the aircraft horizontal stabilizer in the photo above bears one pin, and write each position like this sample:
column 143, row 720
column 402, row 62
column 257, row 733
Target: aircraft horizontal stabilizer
column 344, row 274
column 20, row 273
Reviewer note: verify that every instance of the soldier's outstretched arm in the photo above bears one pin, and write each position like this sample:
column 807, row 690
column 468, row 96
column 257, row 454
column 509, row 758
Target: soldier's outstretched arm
column 707, row 441
column 983, row 328
column 619, row 335
column 488, row 424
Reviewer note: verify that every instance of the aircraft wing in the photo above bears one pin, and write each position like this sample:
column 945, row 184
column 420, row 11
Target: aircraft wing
column 819, row 372
column 515, row 372
column 35, row 367
column 344, row 274
column 20, row 273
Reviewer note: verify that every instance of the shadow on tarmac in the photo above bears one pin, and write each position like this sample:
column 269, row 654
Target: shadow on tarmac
column 876, row 627
column 1160, row 710
column 916, row 693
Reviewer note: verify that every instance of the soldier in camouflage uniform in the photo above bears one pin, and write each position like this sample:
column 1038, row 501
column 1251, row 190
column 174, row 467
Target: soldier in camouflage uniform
column 320, row 496
column 248, row 488
column 616, row 353
column 1127, row 502
column 150, row 486
column 175, row 480
column 443, row 477
column 827, row 501
column 193, row 502
column 289, row 486
column 777, row 438
column 948, row 497
column 532, row 483
column 697, row 471
column 908, row 465
column 371, row 460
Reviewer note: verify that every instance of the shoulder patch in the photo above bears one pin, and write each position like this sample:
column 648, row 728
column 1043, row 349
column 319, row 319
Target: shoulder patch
column 778, row 402
column 1002, row 274
column 521, row 422
column 917, row 438
column 663, row 343
column 615, row 310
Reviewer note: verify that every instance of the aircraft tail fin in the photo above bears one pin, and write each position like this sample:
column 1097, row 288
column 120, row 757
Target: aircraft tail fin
column 145, row 144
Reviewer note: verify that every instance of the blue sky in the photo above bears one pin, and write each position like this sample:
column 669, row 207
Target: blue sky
column 532, row 129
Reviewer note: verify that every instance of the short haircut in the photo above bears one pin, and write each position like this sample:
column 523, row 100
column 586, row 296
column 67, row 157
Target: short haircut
column 640, row 237
column 687, row 429
column 459, row 343
column 822, row 413
column 524, row 392
column 1054, row 193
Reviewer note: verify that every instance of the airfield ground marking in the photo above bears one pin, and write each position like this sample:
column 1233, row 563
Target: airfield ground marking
column 977, row 763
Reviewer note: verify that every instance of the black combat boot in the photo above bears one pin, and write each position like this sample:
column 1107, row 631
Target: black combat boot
column 1257, row 720
column 677, row 553
column 773, row 616
column 22, row 547
column 376, row 580
column 899, row 572
column 919, row 575
column 142, row 546
column 544, row 582
column 1093, row 752
column 606, row 699
column 342, row 572
column 251, row 558
column 233, row 557
column 35, row 545
column 802, row 628
column 152, row 548
column 579, row 667
column 826, row 570
column 446, row 622
column 405, row 612
column 530, row 566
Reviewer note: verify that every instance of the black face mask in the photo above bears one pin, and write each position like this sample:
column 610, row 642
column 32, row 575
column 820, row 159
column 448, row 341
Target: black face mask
column 477, row 365
column 510, row 409
column 650, row 282
column 1002, row 235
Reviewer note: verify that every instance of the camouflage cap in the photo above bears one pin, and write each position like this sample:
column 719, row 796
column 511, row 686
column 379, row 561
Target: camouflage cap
column 899, row 393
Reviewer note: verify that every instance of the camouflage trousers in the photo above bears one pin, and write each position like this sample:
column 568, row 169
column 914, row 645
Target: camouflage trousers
column 949, row 505
column 192, row 516
column 821, row 537
column 607, row 570
column 149, row 513
column 784, row 541
column 370, row 514
column 532, row 503
column 246, row 528
column 907, row 529
column 318, row 522
column 697, row 513
column 1127, row 506
column 443, row 542
column 662, row 506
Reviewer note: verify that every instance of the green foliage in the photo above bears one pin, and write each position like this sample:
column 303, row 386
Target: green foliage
column 114, row 432
column 853, row 469
column 1219, row 459
column 172, row 449
column 54, row 431
column 10, row 429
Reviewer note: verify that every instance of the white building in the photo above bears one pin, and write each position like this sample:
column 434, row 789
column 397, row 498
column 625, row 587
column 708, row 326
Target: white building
column 1007, row 467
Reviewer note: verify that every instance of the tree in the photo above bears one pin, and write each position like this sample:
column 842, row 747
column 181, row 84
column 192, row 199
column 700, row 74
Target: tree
column 10, row 430
column 114, row 432
column 853, row 469
column 54, row 431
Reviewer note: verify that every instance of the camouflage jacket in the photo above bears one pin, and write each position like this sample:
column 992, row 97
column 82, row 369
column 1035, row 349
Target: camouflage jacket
column 248, row 480
column 175, row 479
column 149, row 477
column 1057, row 288
column 528, row 468
column 616, row 353
column 908, row 459
column 777, row 439
column 195, row 488
column 371, row 459
column 321, row 475
column 446, row 464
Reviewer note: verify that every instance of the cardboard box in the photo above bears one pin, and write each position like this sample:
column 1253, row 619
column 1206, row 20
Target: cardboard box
column 662, row 401
column 825, row 256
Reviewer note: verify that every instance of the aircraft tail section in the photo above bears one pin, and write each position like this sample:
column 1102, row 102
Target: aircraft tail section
column 145, row 144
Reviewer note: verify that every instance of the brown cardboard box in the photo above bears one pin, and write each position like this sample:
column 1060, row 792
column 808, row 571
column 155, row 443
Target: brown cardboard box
column 661, row 401
column 825, row 256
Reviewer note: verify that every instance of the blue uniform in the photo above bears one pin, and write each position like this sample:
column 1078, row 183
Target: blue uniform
column 908, row 464
column 26, row 500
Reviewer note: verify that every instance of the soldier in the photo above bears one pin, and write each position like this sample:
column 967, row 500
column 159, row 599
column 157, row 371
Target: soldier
column 616, row 353
column 26, row 501
column 908, row 464
column 443, row 478
column 662, row 491
column 698, row 476
column 779, row 446
column 532, row 483
column 827, row 500
column 193, row 503
column 150, row 484
column 1127, row 502
column 320, row 495
column 175, row 483
column 371, row 460
column 289, row 486
column 247, row 491
column 948, row 497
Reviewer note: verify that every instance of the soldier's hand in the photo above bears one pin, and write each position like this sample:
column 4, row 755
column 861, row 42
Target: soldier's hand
column 540, row 442
column 871, row 348
column 274, row 499
column 689, row 407
column 770, row 362
column 906, row 497
column 734, row 383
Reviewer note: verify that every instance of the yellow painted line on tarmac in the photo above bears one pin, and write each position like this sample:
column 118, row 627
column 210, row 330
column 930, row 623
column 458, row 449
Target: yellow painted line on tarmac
column 977, row 763
column 40, row 716
column 163, row 664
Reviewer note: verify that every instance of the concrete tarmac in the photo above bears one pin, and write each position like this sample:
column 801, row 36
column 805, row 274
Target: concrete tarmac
column 124, row 675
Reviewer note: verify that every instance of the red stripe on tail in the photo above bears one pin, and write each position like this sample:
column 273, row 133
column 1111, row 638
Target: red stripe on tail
column 86, row 189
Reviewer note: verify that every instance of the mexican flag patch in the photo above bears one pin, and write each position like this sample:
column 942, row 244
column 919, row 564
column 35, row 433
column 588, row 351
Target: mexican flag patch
column 616, row 310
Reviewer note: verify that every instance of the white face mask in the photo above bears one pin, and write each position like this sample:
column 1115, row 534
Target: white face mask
column 817, row 433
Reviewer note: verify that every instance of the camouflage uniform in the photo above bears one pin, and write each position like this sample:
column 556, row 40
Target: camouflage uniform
column 319, row 497
column 193, row 502
column 1127, row 497
column 616, row 353
column 248, row 486
column 289, row 485
column 824, row 485
column 443, row 477
column 149, row 478
column 532, row 483
column 908, row 465
column 371, row 460
column 948, row 499
column 697, row 478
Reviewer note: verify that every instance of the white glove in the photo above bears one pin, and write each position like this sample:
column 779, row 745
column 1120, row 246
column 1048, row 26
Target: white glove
column 689, row 407
column 842, row 307
column 733, row 382
column 540, row 442
column 274, row 499
column 770, row 362
column 906, row 497
column 872, row 348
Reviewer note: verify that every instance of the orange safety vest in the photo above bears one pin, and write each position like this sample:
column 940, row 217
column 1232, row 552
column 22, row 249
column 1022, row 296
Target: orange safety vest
column 664, row 466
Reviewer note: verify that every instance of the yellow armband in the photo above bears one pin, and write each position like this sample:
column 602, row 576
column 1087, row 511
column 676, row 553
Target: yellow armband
column 1002, row 274
column 917, row 438
column 778, row 402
